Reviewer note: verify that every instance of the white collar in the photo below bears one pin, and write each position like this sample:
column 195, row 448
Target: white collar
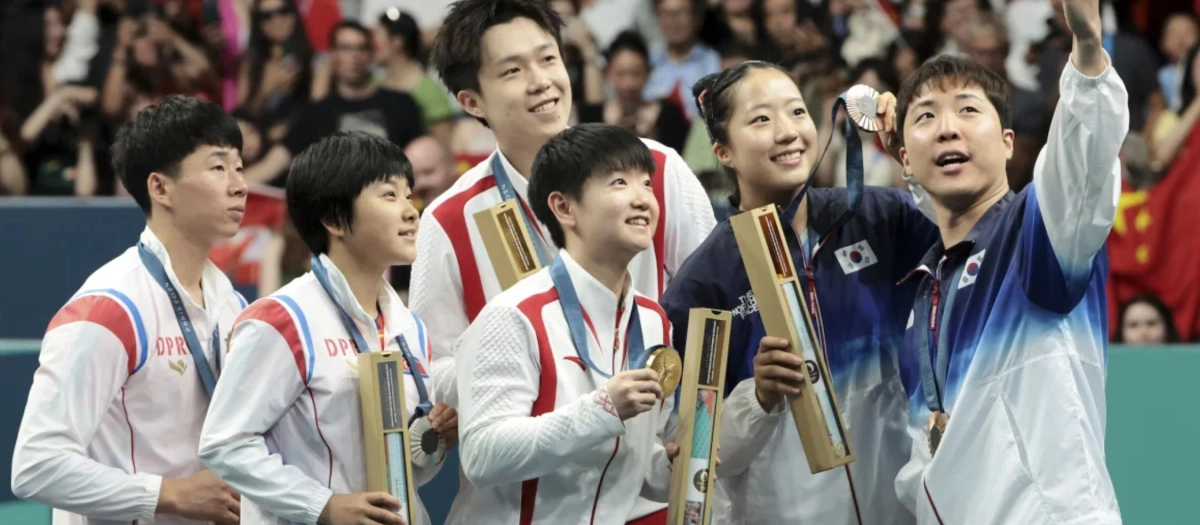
column 213, row 282
column 519, row 180
column 597, row 300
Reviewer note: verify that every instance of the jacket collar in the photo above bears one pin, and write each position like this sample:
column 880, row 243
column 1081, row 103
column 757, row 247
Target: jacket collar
column 396, row 317
column 215, row 285
column 519, row 180
column 826, row 207
column 597, row 300
column 978, row 231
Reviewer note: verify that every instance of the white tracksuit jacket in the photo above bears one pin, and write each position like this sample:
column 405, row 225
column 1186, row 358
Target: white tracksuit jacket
column 116, row 403
column 285, row 426
column 452, row 278
column 541, row 442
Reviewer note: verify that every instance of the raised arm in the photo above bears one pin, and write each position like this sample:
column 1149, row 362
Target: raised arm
column 1077, row 176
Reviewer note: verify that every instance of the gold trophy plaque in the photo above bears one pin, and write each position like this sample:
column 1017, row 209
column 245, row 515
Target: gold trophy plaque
column 700, row 404
column 509, row 244
column 386, row 439
column 781, row 303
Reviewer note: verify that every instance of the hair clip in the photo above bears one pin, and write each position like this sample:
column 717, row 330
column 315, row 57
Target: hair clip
column 700, row 99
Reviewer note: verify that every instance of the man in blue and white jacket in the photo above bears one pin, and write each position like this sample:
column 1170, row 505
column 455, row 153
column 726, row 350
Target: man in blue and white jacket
column 1004, row 360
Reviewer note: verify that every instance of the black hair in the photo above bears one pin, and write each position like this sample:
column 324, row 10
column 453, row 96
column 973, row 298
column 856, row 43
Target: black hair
column 328, row 176
column 1154, row 302
column 297, row 45
column 405, row 28
column 628, row 41
column 714, row 96
column 1187, row 88
column 946, row 72
column 353, row 26
column 162, row 135
column 575, row 155
column 457, row 50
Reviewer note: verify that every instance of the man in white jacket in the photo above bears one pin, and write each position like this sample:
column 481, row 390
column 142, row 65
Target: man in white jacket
column 127, row 366
column 285, row 426
column 562, row 423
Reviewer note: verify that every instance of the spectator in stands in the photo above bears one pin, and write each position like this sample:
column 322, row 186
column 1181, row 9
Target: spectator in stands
column 682, row 59
column 1173, row 130
column 355, row 104
column 1145, row 320
column 433, row 169
column 790, row 34
column 697, row 150
column 580, row 54
column 13, row 180
column 626, row 69
column 737, row 20
column 151, row 60
column 1180, row 33
column 276, row 77
column 398, row 41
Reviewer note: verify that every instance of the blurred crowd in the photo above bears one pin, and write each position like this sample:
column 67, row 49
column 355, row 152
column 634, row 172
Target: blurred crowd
column 292, row 71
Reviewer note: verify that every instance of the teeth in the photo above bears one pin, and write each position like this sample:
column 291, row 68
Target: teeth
column 787, row 157
column 545, row 106
column 641, row 221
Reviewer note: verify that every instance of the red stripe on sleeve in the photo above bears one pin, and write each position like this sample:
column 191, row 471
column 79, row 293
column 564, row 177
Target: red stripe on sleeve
column 273, row 313
column 658, row 183
column 547, row 385
column 104, row 311
column 652, row 305
column 452, row 216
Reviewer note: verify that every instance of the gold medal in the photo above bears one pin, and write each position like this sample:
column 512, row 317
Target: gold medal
column 937, row 429
column 862, row 108
column 669, row 366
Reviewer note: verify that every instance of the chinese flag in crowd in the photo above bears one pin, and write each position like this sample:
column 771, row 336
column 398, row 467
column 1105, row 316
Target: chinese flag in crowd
column 1154, row 246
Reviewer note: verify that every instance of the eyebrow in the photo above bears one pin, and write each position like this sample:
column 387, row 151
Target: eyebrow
column 517, row 56
column 961, row 96
column 223, row 153
column 768, row 104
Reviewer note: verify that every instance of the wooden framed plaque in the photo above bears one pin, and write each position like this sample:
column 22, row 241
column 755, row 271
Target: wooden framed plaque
column 386, row 439
column 508, row 243
column 784, row 311
column 701, row 399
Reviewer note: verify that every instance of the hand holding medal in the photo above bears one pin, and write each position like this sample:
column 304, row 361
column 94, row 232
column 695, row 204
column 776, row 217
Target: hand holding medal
column 433, row 435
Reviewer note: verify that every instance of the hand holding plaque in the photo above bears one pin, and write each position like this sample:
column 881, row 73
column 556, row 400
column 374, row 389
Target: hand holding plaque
column 777, row 372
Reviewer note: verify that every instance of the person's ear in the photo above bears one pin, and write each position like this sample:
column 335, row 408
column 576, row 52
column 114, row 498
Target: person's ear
column 564, row 210
column 471, row 102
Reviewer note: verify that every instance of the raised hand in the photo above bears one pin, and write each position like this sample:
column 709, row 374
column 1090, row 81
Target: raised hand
column 777, row 372
column 632, row 392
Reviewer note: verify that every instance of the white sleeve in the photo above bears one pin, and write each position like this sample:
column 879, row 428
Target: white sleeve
column 1077, row 175
column 909, row 479
column 436, row 296
column 690, row 219
column 258, row 385
column 80, row 46
column 83, row 369
column 498, row 383
column 746, row 428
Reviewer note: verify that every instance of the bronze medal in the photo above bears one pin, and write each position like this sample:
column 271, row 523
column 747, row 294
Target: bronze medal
column 669, row 366
column 937, row 429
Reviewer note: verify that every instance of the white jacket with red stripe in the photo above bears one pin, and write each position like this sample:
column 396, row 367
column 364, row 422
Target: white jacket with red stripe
column 285, row 426
column 116, row 403
column 541, row 441
column 452, row 278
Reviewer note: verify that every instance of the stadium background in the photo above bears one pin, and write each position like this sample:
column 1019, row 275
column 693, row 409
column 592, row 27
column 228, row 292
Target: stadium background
column 53, row 244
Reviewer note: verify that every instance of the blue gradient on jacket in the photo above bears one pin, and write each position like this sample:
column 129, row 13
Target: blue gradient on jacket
column 863, row 312
column 1021, row 295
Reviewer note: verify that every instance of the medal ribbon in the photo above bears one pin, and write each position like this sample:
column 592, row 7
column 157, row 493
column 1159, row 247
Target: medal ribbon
column 935, row 364
column 424, row 406
column 507, row 192
column 854, row 164
column 574, row 314
column 207, row 375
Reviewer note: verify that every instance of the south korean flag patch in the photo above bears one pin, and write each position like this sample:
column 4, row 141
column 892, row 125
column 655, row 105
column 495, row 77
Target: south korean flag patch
column 971, row 271
column 856, row 257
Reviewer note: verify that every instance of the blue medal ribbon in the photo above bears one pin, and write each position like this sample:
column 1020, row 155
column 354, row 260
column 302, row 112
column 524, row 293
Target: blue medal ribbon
column 207, row 375
column 504, row 184
column 935, row 362
column 854, row 165
column 424, row 406
column 574, row 314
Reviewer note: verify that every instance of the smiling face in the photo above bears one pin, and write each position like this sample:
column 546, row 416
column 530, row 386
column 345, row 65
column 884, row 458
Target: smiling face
column 772, row 138
column 955, row 145
column 525, row 92
column 208, row 198
column 616, row 213
column 1142, row 325
column 384, row 226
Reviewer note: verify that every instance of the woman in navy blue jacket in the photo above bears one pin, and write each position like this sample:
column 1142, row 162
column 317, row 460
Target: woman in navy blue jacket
column 851, row 259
